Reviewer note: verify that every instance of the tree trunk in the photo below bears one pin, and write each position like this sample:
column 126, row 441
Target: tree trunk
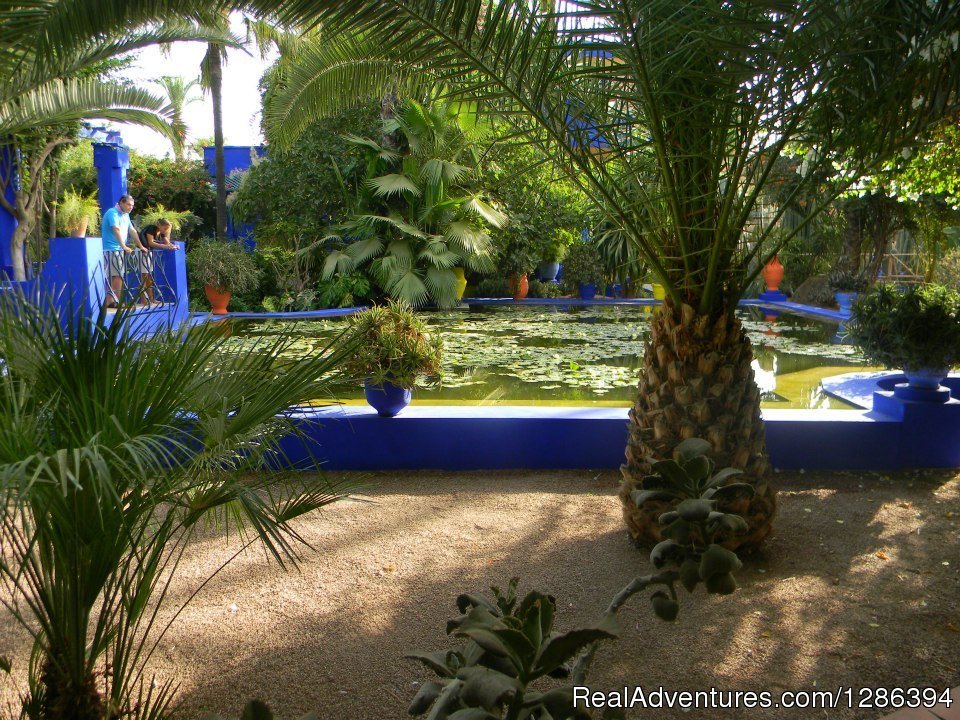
column 216, row 95
column 697, row 382
column 64, row 699
column 17, row 243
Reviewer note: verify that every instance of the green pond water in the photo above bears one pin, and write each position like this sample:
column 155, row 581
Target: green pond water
column 555, row 355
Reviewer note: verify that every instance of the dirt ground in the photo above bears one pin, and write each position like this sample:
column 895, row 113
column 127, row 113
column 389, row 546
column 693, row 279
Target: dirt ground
column 858, row 587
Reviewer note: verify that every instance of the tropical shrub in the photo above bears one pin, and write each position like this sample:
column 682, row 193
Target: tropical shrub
column 547, row 210
column 176, row 185
column 224, row 265
column 182, row 222
column 544, row 289
column 948, row 270
column 420, row 214
column 392, row 345
column 116, row 449
column 583, row 265
column 493, row 287
column 312, row 187
column 916, row 328
column 343, row 290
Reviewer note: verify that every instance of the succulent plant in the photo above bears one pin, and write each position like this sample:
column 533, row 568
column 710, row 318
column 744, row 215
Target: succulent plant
column 511, row 643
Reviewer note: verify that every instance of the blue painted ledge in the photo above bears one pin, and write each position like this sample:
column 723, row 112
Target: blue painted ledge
column 489, row 438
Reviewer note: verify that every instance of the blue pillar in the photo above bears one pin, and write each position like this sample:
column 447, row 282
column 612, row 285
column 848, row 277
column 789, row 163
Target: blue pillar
column 236, row 160
column 8, row 223
column 111, row 162
column 73, row 277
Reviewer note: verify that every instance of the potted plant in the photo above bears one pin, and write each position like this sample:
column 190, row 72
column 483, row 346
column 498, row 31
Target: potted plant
column 223, row 268
column 393, row 350
column 517, row 260
column 76, row 213
column 846, row 285
column 552, row 249
column 917, row 329
column 583, row 269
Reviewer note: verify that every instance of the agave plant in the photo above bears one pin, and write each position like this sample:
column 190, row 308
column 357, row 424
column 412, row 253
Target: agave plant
column 113, row 452
column 418, row 217
column 672, row 115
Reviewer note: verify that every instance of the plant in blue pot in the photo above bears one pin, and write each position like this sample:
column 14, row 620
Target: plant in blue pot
column 394, row 351
column 916, row 329
column 846, row 286
column 583, row 270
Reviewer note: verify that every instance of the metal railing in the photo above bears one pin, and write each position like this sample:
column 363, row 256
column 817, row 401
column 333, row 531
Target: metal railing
column 143, row 280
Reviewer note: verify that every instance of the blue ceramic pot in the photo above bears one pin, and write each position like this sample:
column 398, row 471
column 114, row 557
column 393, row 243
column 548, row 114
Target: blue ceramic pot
column 547, row 271
column 845, row 301
column 387, row 399
column 587, row 291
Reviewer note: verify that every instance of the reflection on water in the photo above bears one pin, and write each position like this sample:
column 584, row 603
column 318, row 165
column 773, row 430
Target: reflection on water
column 584, row 356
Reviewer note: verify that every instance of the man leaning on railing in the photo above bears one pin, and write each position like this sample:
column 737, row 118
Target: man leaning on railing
column 116, row 231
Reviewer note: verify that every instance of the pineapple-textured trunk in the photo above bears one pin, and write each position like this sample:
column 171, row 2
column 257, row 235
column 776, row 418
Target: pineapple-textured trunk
column 697, row 381
column 66, row 699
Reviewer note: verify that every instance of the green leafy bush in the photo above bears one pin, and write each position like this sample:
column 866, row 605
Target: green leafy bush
column 224, row 265
column 844, row 281
column 177, row 185
column 344, row 290
column 544, row 290
column 493, row 287
column 583, row 265
column 76, row 211
column 392, row 345
column 917, row 328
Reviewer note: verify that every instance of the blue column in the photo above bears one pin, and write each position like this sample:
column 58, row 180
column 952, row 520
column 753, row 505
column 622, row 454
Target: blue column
column 236, row 159
column 8, row 223
column 73, row 277
column 111, row 162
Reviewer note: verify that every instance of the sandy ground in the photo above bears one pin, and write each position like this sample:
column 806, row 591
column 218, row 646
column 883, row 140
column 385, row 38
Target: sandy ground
column 858, row 587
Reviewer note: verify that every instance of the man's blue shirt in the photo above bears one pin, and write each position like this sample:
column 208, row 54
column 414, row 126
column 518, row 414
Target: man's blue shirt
column 114, row 218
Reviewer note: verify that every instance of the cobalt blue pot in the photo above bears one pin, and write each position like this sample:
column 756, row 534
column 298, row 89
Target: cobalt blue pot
column 587, row 291
column 845, row 300
column 387, row 399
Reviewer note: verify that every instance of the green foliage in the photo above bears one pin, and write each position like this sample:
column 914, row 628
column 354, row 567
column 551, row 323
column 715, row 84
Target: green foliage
column 511, row 645
column 75, row 211
column 696, row 495
column 392, row 345
column 224, row 265
column 844, row 281
column 312, row 185
column 583, row 265
column 182, row 222
column 343, row 290
column 176, row 185
column 420, row 214
column 544, row 290
column 74, row 164
column 917, row 328
column 493, row 287
column 117, row 449
column 547, row 209
column 948, row 270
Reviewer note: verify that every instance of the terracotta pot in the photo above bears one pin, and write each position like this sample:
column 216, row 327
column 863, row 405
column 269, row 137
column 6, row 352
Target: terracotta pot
column 217, row 298
column 519, row 288
column 81, row 230
column 772, row 274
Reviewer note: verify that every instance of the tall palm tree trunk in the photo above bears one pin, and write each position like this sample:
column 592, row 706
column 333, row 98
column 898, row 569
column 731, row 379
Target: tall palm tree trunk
column 216, row 95
column 697, row 382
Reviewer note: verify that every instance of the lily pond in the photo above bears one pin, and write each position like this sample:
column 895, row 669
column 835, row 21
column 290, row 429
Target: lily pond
column 576, row 355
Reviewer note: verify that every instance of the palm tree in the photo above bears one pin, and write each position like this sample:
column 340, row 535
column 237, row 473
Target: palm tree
column 114, row 450
column 672, row 114
column 211, row 78
column 177, row 90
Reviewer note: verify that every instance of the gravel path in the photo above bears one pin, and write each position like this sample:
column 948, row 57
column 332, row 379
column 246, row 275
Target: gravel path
column 857, row 587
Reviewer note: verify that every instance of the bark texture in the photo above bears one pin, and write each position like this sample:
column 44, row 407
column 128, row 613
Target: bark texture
column 697, row 382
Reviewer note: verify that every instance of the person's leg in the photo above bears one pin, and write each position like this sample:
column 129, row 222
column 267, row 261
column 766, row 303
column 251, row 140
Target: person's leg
column 146, row 289
column 115, row 273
